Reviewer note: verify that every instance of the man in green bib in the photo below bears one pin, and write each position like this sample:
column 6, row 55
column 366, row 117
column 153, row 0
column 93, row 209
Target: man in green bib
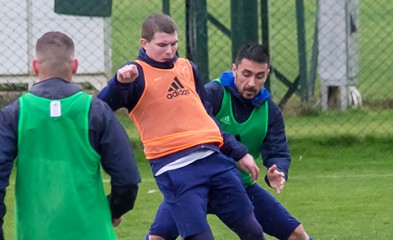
column 244, row 108
column 60, row 137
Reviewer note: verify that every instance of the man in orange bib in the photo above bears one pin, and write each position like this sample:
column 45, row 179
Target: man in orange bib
column 183, row 144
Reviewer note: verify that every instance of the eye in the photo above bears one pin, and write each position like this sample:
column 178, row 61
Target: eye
column 261, row 76
column 246, row 73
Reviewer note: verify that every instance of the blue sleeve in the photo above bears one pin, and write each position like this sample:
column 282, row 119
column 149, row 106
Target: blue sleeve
column 213, row 99
column 274, row 148
column 110, row 140
column 123, row 95
column 199, row 85
column 8, row 150
column 214, row 95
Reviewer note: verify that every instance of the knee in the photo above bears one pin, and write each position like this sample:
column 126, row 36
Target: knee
column 247, row 228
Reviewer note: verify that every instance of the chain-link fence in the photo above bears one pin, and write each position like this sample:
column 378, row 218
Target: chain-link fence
column 343, row 86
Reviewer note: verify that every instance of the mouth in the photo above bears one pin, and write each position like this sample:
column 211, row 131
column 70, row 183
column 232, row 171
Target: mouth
column 250, row 91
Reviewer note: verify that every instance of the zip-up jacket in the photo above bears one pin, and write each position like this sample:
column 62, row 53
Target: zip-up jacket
column 106, row 135
column 274, row 149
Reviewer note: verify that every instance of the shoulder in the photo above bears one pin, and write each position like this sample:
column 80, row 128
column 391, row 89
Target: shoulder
column 99, row 106
column 187, row 61
column 275, row 113
column 100, row 111
column 273, row 106
column 214, row 86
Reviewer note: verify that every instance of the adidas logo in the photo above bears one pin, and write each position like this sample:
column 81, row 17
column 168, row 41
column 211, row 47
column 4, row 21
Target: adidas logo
column 225, row 120
column 176, row 89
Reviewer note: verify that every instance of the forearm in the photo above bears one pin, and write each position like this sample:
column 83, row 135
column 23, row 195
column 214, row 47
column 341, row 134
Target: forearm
column 232, row 148
column 122, row 199
column 115, row 94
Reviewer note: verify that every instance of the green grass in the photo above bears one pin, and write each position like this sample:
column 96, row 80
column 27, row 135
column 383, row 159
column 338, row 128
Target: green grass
column 339, row 187
column 340, row 182
column 352, row 122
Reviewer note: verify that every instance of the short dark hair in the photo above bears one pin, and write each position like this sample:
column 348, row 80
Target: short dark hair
column 157, row 22
column 55, row 40
column 254, row 52
column 55, row 51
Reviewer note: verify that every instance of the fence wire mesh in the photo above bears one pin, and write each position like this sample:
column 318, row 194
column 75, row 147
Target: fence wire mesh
column 348, row 51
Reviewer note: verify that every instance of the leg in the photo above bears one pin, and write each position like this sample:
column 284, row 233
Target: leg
column 201, row 236
column 164, row 226
column 229, row 201
column 185, row 193
column 273, row 217
column 247, row 228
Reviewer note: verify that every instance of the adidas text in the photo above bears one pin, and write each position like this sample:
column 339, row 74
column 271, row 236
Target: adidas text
column 177, row 92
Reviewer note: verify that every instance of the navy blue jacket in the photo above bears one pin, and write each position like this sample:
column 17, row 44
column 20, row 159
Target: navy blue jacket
column 106, row 135
column 274, row 149
column 119, row 95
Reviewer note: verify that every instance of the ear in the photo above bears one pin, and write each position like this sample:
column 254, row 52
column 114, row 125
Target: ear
column 75, row 64
column 34, row 64
column 143, row 42
column 234, row 68
column 268, row 72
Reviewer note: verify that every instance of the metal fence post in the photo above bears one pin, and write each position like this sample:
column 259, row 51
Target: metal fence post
column 196, row 36
column 301, row 39
column 265, row 32
column 244, row 23
column 166, row 7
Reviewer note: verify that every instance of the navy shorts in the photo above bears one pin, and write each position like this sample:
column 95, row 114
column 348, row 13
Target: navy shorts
column 188, row 190
column 273, row 217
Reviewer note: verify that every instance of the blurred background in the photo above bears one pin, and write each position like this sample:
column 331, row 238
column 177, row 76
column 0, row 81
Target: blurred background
column 331, row 60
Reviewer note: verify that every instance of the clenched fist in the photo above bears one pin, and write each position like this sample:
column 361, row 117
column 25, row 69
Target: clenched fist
column 127, row 74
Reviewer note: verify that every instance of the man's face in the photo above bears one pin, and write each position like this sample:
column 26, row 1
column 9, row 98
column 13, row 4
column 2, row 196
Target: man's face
column 250, row 77
column 162, row 47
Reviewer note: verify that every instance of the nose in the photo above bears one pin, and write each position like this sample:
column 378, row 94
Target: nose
column 168, row 50
column 251, row 82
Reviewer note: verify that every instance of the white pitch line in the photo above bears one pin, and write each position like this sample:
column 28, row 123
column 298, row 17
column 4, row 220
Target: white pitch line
column 345, row 176
column 388, row 175
column 106, row 181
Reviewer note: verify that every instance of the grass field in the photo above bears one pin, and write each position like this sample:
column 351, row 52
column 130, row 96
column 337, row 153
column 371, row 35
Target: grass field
column 339, row 188
column 340, row 182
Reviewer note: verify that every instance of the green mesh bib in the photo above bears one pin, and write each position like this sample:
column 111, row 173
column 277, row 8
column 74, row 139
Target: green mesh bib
column 58, row 191
column 251, row 132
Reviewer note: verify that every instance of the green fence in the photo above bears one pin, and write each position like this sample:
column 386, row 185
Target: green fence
column 331, row 60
